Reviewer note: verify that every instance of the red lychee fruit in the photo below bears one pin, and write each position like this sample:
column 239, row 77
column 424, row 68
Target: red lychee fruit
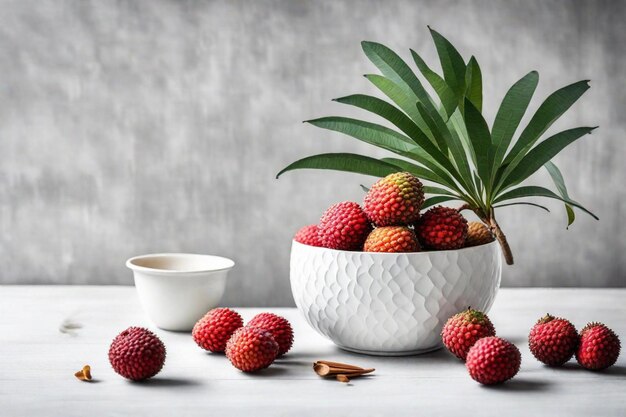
column 462, row 330
column 599, row 347
column 553, row 340
column 394, row 200
column 344, row 226
column 278, row 326
column 250, row 349
column 213, row 330
column 137, row 354
column 308, row 235
column 441, row 228
column 391, row 239
column 493, row 360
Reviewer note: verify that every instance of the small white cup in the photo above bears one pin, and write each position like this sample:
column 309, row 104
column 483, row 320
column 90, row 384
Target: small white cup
column 177, row 289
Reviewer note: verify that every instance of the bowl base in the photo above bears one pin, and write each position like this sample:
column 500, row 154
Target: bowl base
column 391, row 353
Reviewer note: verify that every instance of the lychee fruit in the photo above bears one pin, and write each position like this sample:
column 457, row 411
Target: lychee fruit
column 278, row 326
column 462, row 330
column 553, row 340
column 441, row 228
column 478, row 234
column 213, row 330
column 344, row 226
column 308, row 235
column 394, row 200
column 250, row 349
column 599, row 347
column 391, row 239
column 137, row 354
column 493, row 360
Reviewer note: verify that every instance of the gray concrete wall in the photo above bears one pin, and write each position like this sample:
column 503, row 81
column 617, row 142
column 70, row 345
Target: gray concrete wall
column 129, row 127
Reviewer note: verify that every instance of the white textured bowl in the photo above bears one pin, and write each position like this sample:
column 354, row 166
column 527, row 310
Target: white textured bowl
column 176, row 289
column 391, row 303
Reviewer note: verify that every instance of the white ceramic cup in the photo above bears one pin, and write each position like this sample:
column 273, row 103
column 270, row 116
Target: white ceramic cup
column 177, row 289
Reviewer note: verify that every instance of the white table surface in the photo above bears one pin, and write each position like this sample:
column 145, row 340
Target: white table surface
column 37, row 363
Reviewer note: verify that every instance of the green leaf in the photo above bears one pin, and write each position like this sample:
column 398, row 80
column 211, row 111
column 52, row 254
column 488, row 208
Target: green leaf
column 570, row 215
column 437, row 190
column 431, row 201
column 383, row 109
column 421, row 156
column 367, row 132
column 442, row 133
column 549, row 111
column 457, row 128
column 404, row 99
column 541, row 154
column 417, row 170
column 394, row 68
column 435, row 128
column 559, row 182
column 452, row 63
column 480, row 188
column 347, row 162
column 510, row 114
column 474, row 82
column 447, row 97
column 364, row 188
column 390, row 140
column 523, row 203
column 534, row 191
column 480, row 139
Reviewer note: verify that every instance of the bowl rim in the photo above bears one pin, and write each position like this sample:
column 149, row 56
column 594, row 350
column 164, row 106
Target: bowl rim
column 422, row 253
column 130, row 264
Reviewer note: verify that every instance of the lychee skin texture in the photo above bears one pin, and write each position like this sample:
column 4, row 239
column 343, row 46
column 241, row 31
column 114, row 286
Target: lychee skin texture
column 391, row 239
column 308, row 235
column 599, row 347
column 478, row 234
column 250, row 349
column 137, row 354
column 553, row 341
column 441, row 228
column 394, row 200
column 213, row 330
column 278, row 326
column 344, row 226
column 462, row 330
column 493, row 360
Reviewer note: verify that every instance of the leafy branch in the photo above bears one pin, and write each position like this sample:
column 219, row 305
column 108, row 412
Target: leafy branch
column 446, row 141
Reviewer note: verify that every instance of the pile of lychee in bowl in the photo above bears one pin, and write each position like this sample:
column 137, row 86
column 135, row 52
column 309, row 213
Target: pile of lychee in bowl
column 471, row 336
column 138, row 354
column 390, row 221
column 382, row 278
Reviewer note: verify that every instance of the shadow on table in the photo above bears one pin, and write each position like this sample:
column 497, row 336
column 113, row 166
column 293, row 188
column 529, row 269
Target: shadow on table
column 515, row 339
column 437, row 356
column 166, row 382
column 276, row 370
column 520, row 384
column 340, row 355
column 615, row 370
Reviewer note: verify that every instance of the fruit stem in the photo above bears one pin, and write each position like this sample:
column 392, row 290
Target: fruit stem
column 500, row 236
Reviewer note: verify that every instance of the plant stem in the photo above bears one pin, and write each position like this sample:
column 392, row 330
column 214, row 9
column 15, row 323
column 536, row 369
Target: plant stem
column 495, row 228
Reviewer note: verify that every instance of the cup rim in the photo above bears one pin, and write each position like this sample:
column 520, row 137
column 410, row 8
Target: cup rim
column 130, row 264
